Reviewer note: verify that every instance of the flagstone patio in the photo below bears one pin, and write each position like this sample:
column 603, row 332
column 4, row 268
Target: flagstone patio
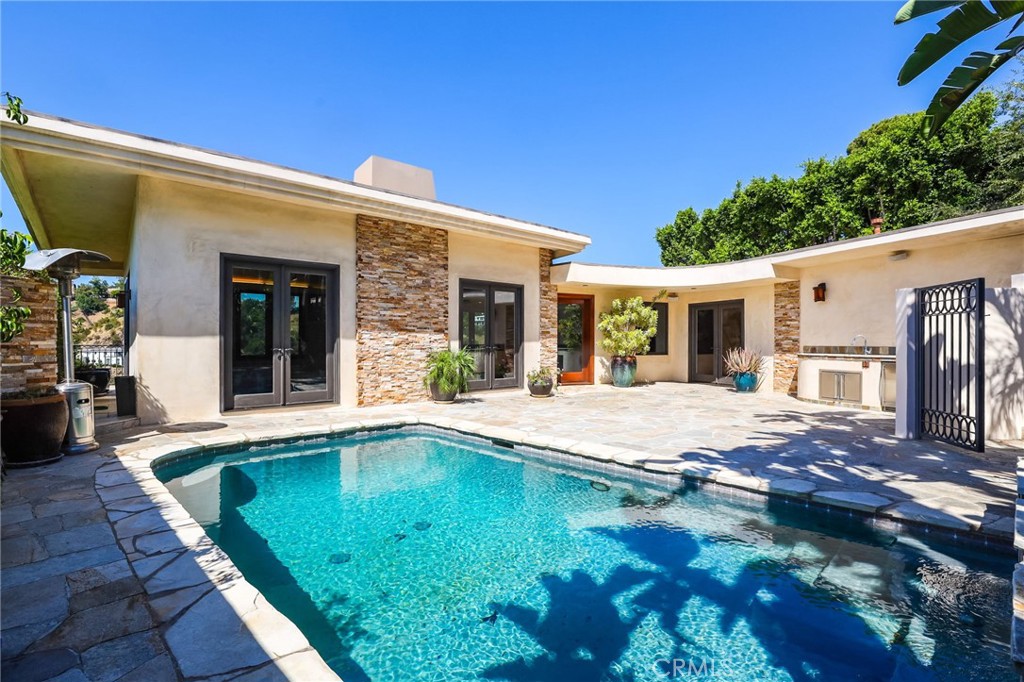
column 105, row 577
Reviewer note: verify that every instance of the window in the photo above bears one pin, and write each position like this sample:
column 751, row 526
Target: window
column 659, row 343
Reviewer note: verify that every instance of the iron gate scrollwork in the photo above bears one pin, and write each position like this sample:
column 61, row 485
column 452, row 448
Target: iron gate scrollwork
column 951, row 362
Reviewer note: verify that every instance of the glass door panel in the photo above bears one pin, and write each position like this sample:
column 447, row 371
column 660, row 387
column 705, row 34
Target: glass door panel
column 731, row 334
column 253, row 337
column 308, row 332
column 473, row 332
column 570, row 337
column 505, row 337
column 704, row 344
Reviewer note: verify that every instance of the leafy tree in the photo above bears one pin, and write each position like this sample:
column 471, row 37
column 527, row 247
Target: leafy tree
column 14, row 111
column 966, row 20
column 890, row 171
column 91, row 297
column 1005, row 147
column 13, row 249
column 14, row 246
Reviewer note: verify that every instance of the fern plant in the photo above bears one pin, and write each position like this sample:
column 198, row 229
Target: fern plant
column 450, row 370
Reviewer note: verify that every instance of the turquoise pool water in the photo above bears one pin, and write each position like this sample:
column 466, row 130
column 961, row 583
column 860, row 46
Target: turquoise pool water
column 414, row 556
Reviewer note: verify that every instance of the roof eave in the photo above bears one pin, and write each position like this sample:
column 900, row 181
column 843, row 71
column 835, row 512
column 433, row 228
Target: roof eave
column 189, row 165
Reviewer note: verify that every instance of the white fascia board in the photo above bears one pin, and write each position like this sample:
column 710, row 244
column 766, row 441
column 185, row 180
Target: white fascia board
column 896, row 239
column 196, row 166
column 754, row 271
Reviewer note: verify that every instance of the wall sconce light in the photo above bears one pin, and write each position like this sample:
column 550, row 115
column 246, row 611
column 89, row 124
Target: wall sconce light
column 673, row 295
column 819, row 293
column 899, row 255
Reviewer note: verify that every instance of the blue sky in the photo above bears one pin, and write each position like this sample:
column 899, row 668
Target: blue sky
column 603, row 118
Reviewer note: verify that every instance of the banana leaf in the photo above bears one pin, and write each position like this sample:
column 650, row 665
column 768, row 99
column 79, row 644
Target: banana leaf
column 916, row 8
column 965, row 79
column 966, row 21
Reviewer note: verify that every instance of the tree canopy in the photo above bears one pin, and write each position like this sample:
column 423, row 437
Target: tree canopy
column 91, row 297
column 975, row 162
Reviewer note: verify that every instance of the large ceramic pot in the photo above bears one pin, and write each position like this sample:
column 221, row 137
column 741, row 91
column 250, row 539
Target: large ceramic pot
column 33, row 430
column 623, row 370
column 99, row 377
column 541, row 390
column 745, row 382
column 441, row 397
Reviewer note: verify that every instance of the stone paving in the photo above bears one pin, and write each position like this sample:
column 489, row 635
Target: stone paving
column 105, row 577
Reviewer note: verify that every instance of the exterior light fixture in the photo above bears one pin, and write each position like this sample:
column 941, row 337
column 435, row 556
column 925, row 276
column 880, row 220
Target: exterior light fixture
column 819, row 293
column 673, row 295
column 899, row 255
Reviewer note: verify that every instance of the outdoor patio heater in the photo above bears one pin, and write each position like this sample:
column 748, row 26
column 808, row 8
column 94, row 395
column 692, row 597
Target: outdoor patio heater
column 64, row 265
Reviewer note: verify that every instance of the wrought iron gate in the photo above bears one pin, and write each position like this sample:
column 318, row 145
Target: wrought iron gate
column 951, row 362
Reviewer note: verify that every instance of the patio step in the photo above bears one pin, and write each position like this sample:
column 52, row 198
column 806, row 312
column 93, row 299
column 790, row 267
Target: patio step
column 114, row 424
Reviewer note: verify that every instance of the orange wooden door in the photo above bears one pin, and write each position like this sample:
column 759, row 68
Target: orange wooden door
column 576, row 338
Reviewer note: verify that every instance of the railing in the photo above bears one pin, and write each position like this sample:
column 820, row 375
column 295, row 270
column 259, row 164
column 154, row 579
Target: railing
column 101, row 356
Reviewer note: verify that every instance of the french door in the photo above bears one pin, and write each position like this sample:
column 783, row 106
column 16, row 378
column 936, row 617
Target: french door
column 714, row 329
column 491, row 328
column 280, row 333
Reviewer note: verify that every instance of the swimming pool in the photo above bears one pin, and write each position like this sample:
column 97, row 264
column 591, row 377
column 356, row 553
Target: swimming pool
column 414, row 555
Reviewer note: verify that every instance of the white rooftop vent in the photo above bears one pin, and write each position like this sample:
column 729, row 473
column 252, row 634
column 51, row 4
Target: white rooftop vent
column 396, row 176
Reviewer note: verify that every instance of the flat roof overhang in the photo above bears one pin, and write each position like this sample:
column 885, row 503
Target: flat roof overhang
column 786, row 266
column 75, row 185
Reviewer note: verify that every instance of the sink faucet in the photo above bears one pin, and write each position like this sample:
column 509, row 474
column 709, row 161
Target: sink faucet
column 853, row 342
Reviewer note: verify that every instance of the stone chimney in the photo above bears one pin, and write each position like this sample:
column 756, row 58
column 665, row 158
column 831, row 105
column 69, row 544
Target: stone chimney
column 396, row 176
column 876, row 225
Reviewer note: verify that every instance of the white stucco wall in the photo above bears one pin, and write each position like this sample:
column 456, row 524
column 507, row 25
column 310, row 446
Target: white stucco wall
column 491, row 260
column 179, row 234
column 1004, row 361
column 758, row 323
column 861, row 293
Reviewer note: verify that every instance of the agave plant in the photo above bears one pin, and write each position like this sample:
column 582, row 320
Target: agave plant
column 450, row 370
column 742, row 361
column 967, row 19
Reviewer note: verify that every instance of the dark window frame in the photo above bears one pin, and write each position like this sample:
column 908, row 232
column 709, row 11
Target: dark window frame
column 520, row 331
column 225, row 312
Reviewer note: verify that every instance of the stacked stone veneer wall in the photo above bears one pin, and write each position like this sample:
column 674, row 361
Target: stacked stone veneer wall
column 401, row 307
column 29, row 362
column 548, row 313
column 787, row 336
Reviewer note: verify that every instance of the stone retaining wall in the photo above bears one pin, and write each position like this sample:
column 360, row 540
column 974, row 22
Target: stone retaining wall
column 787, row 336
column 29, row 362
column 401, row 307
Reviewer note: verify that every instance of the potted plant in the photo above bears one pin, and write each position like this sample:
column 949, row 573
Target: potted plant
column 448, row 374
column 540, row 382
column 627, row 332
column 744, row 366
column 34, row 423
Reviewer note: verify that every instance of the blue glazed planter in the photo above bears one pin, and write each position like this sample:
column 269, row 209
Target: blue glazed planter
column 745, row 382
column 623, row 370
